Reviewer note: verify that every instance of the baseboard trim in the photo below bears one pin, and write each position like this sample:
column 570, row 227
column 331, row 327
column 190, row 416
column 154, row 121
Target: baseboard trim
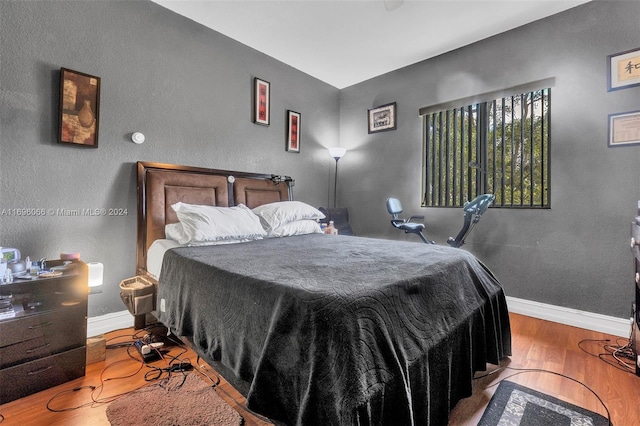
column 582, row 319
column 108, row 322
column 573, row 317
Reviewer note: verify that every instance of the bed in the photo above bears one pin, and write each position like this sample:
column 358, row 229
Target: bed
column 322, row 329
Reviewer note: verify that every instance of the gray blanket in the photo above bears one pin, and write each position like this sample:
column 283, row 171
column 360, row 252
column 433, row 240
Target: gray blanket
column 338, row 330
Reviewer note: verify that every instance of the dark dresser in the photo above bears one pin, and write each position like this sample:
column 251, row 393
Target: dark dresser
column 43, row 342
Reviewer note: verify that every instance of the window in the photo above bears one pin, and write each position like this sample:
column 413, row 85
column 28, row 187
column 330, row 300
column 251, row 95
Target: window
column 499, row 146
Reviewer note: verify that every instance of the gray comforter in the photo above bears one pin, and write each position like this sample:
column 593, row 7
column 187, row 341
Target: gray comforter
column 338, row 330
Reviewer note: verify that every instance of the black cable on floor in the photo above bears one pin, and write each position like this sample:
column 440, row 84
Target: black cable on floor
column 540, row 370
column 617, row 352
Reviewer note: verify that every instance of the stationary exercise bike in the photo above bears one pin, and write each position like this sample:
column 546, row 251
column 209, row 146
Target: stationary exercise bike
column 473, row 211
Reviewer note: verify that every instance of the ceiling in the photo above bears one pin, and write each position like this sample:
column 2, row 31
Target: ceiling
column 345, row 42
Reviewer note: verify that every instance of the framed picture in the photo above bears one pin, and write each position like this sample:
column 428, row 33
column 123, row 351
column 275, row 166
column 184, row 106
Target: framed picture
column 293, row 131
column 79, row 108
column 382, row 118
column 262, row 102
column 624, row 129
column 623, row 70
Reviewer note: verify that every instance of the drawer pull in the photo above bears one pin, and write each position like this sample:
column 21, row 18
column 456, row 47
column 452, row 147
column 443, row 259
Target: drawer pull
column 33, row 327
column 30, row 351
column 42, row 370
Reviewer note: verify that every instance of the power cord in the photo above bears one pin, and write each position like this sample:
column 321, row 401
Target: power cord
column 156, row 373
column 159, row 375
column 62, row 410
column 96, row 391
column 617, row 352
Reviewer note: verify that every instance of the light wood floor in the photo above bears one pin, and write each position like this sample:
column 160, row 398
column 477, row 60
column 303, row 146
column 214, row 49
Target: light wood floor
column 537, row 344
column 553, row 347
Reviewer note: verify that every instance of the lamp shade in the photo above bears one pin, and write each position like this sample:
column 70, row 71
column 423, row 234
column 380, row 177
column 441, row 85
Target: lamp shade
column 337, row 152
column 96, row 271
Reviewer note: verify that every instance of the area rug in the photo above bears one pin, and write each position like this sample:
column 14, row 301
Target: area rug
column 513, row 405
column 181, row 400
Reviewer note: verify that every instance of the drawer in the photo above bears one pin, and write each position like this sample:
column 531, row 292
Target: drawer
column 69, row 323
column 34, row 376
column 39, row 347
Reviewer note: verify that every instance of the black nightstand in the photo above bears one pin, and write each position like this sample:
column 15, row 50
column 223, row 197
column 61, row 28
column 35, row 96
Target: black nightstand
column 43, row 342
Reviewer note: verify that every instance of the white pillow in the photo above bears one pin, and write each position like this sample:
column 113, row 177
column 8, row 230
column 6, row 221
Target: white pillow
column 274, row 215
column 298, row 227
column 174, row 232
column 208, row 223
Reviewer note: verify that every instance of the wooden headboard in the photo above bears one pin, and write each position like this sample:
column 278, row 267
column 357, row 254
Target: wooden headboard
column 161, row 185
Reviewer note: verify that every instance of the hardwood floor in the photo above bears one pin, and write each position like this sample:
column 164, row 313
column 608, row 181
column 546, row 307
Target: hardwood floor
column 118, row 374
column 548, row 346
column 537, row 344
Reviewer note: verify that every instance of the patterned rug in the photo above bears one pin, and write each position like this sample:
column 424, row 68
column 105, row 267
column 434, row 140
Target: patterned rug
column 179, row 401
column 515, row 405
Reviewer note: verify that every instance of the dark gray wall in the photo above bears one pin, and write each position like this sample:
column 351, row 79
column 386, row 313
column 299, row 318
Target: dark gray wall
column 577, row 253
column 187, row 88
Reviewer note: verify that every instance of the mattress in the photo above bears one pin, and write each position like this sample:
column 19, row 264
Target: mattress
column 155, row 254
column 340, row 330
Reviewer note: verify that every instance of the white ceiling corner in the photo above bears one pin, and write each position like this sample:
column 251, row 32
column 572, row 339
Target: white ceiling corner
column 345, row 42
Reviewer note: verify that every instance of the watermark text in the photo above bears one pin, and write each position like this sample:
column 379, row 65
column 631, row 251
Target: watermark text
column 62, row 212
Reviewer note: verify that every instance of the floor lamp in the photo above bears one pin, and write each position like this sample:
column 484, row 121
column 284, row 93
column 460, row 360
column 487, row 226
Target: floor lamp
column 337, row 153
